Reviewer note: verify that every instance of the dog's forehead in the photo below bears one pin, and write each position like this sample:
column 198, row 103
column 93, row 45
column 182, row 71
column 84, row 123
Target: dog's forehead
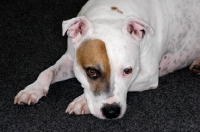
column 93, row 53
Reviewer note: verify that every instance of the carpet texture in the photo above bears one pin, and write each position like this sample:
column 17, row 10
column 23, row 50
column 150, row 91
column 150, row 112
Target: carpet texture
column 31, row 41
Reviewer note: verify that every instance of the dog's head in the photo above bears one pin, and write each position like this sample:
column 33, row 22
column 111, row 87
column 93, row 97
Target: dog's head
column 106, row 61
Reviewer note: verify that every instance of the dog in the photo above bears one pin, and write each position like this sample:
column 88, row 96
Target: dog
column 116, row 46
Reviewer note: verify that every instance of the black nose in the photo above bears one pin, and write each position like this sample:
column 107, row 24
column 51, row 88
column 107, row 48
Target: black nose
column 111, row 111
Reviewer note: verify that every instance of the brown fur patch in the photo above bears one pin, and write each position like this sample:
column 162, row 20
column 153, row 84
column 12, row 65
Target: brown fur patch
column 116, row 9
column 92, row 53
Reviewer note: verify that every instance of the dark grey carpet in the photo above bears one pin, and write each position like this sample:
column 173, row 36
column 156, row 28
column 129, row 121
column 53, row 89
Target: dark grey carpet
column 31, row 41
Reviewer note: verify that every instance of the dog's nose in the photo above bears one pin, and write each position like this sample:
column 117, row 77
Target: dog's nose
column 111, row 111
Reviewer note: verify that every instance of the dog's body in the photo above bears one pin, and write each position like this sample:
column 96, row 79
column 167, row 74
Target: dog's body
column 117, row 46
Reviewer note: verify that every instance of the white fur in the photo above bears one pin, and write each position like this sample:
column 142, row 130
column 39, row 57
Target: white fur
column 123, row 50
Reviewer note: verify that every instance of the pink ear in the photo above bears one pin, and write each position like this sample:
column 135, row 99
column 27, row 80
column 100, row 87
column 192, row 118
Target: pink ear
column 136, row 29
column 77, row 28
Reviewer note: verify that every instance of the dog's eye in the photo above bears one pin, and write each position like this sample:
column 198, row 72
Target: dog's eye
column 127, row 71
column 92, row 73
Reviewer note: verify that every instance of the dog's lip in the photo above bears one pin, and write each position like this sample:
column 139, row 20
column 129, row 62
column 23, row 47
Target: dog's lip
column 98, row 115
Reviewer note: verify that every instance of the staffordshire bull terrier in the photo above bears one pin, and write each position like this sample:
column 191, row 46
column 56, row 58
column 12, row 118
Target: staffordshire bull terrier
column 116, row 46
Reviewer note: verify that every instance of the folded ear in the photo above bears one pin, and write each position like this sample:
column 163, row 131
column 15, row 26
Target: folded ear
column 77, row 28
column 136, row 28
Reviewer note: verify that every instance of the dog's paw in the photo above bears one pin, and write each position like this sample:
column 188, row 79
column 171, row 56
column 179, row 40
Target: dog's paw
column 31, row 94
column 195, row 67
column 78, row 106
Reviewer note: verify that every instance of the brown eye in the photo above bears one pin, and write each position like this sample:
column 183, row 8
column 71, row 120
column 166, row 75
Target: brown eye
column 92, row 73
column 128, row 70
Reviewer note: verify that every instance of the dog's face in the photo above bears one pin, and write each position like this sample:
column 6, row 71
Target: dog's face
column 106, row 75
column 106, row 63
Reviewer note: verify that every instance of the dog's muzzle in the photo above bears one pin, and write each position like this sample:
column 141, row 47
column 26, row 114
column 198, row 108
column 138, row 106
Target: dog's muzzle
column 111, row 111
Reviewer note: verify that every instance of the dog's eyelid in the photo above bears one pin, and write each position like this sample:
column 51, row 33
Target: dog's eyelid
column 95, row 67
column 91, row 68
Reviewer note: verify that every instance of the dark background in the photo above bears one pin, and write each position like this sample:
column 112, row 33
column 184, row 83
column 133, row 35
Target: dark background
column 31, row 41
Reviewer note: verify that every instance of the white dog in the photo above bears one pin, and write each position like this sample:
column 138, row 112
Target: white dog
column 116, row 46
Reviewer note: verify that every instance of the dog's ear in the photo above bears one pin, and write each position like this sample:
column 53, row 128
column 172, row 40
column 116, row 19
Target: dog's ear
column 136, row 28
column 77, row 28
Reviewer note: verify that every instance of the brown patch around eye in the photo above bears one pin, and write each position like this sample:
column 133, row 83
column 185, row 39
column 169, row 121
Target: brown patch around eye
column 92, row 58
column 114, row 8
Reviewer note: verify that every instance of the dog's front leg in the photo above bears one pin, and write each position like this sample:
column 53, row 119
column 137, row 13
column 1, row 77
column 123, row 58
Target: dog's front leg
column 62, row 70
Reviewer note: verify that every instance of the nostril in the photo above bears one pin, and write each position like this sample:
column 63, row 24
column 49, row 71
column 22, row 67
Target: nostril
column 111, row 111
